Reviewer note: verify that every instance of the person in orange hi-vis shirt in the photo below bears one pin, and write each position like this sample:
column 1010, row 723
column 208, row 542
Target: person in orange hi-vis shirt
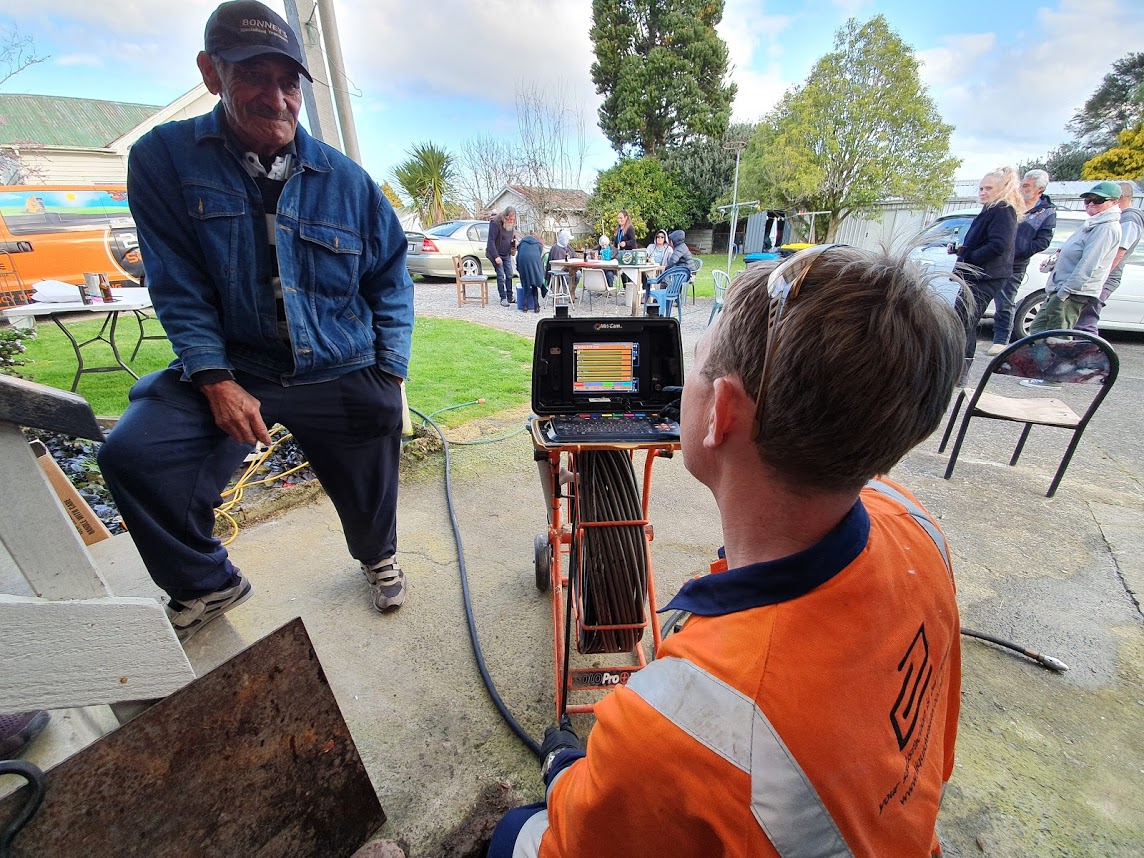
column 808, row 706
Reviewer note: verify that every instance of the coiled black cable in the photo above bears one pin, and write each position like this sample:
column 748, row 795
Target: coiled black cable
column 613, row 585
column 532, row 744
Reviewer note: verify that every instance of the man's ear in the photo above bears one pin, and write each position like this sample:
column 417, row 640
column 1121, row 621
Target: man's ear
column 211, row 78
column 729, row 411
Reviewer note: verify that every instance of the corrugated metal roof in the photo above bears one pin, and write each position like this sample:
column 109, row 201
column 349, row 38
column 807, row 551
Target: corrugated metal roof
column 49, row 120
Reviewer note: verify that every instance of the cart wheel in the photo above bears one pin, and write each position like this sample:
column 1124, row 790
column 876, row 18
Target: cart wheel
column 543, row 563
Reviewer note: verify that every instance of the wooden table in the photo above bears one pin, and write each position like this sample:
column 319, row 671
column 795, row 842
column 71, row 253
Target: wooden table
column 633, row 285
column 129, row 299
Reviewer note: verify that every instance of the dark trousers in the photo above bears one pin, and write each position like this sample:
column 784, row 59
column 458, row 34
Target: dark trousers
column 982, row 293
column 167, row 463
column 1004, row 303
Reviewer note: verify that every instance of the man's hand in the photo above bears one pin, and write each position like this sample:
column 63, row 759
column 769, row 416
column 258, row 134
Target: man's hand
column 236, row 412
column 557, row 739
column 499, row 261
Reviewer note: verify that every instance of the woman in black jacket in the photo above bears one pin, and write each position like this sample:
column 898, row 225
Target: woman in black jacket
column 985, row 258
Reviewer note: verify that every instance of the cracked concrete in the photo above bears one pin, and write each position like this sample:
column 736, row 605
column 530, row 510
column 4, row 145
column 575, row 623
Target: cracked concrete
column 1048, row 764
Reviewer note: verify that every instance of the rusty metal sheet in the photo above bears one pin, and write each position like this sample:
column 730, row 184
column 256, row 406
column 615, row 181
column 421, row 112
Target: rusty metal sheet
column 252, row 760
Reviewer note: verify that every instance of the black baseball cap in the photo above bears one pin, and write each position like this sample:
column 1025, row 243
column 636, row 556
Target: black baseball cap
column 241, row 29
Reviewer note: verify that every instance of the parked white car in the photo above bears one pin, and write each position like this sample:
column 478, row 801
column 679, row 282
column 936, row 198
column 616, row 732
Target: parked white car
column 1125, row 309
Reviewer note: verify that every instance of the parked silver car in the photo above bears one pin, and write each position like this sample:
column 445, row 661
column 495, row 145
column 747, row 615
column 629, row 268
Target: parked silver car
column 1125, row 308
column 431, row 251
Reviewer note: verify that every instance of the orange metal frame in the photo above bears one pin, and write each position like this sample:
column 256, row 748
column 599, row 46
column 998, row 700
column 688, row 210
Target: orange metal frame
column 593, row 678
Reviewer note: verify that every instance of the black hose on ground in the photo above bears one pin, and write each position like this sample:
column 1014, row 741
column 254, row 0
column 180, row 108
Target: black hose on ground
column 532, row 744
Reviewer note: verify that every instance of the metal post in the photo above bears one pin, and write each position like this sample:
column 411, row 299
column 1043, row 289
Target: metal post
column 338, row 80
column 738, row 146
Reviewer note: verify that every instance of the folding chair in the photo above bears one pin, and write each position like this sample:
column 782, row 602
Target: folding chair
column 466, row 280
column 1054, row 357
column 673, row 281
column 722, row 281
column 595, row 282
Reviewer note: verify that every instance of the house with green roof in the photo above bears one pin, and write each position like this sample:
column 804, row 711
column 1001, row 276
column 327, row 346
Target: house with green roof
column 47, row 139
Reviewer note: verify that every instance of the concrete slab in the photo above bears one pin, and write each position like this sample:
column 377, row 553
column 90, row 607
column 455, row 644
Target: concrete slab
column 1048, row 764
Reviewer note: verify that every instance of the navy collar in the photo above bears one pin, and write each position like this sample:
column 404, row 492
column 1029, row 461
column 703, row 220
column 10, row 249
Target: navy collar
column 779, row 580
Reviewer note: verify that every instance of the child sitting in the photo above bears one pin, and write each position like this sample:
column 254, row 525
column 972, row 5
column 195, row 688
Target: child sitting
column 606, row 256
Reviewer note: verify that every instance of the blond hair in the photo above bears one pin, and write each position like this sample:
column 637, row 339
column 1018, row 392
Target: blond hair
column 1008, row 190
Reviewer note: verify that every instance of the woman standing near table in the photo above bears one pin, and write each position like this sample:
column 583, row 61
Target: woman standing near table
column 625, row 233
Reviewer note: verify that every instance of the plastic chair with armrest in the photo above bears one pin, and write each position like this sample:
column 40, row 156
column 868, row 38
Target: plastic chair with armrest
column 722, row 281
column 672, row 282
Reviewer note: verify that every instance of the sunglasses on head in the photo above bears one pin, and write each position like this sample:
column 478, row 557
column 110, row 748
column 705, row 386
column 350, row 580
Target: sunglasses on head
column 783, row 286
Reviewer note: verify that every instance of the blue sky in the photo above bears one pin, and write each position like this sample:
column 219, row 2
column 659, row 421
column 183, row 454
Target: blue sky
column 1007, row 73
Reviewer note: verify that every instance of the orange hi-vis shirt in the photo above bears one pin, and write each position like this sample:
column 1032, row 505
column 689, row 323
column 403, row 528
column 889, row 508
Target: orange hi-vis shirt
column 808, row 707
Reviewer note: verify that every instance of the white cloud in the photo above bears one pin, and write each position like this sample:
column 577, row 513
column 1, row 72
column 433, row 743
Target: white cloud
column 755, row 49
column 1013, row 99
column 80, row 60
column 947, row 65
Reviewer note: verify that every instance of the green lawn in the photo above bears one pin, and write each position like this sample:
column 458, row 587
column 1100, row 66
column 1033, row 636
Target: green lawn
column 452, row 362
column 704, row 282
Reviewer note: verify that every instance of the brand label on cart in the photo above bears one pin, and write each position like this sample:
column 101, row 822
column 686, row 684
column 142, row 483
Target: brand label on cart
column 581, row 680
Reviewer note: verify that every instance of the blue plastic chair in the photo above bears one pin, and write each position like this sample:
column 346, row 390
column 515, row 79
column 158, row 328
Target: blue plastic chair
column 674, row 281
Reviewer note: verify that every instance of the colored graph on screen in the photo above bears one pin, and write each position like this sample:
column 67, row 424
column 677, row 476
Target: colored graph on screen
column 605, row 368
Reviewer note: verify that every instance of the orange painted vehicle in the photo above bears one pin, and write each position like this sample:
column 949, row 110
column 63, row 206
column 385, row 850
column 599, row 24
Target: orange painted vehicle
column 61, row 232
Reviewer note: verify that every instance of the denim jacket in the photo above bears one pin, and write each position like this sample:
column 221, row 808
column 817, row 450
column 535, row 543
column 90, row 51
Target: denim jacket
column 341, row 257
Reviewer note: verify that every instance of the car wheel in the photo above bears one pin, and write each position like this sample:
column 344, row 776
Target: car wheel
column 470, row 265
column 1027, row 311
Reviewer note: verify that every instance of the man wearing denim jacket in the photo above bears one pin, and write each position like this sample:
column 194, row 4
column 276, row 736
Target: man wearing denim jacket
column 277, row 268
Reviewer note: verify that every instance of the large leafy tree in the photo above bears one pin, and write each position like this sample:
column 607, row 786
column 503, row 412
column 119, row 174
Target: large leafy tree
column 1117, row 104
column 653, row 198
column 427, row 177
column 1123, row 161
column 662, row 70
column 861, row 129
column 706, row 170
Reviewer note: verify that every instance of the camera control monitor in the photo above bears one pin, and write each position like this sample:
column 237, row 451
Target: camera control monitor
column 605, row 365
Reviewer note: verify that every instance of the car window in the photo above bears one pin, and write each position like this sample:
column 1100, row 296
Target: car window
column 474, row 234
column 947, row 230
column 443, row 229
column 482, row 231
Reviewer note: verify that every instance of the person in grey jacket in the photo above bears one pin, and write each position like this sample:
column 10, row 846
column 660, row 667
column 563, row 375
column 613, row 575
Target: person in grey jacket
column 1083, row 262
column 1131, row 228
column 681, row 253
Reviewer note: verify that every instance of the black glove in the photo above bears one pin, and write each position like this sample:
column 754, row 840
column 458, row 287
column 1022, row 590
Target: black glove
column 559, row 738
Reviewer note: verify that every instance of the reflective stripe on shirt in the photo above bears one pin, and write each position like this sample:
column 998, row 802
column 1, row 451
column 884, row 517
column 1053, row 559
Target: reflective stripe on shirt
column 919, row 515
column 731, row 725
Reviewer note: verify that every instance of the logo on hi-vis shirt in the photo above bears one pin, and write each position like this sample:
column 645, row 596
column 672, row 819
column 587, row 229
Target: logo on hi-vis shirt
column 916, row 671
column 912, row 713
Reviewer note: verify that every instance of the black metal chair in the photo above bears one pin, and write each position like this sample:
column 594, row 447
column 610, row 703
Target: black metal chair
column 1048, row 357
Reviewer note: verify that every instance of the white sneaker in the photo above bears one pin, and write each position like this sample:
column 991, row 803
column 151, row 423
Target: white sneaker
column 995, row 349
column 189, row 616
column 386, row 584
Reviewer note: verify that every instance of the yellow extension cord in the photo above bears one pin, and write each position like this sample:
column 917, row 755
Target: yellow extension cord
column 232, row 497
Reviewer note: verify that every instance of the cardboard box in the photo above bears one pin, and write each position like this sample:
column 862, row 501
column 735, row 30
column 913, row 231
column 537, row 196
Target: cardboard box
column 87, row 523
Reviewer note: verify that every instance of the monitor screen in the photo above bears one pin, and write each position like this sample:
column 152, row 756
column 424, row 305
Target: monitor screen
column 605, row 368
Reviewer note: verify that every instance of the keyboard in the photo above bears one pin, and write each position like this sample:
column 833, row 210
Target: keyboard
column 604, row 428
